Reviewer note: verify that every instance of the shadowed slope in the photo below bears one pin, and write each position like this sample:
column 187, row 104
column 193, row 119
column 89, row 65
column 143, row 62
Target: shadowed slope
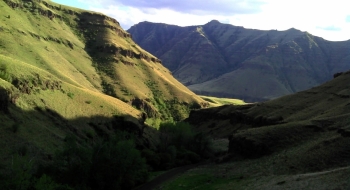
column 230, row 61
column 309, row 129
column 66, row 71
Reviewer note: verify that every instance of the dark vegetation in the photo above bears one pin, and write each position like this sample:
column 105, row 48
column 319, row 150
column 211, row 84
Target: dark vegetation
column 178, row 145
column 310, row 128
column 100, row 160
column 59, row 129
column 109, row 164
column 4, row 73
column 113, row 163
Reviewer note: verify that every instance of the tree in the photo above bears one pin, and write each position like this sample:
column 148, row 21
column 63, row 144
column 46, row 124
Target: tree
column 117, row 164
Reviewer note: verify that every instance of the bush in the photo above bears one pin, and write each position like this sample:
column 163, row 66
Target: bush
column 71, row 165
column 152, row 158
column 117, row 165
column 189, row 156
column 47, row 183
column 70, row 94
column 90, row 133
column 180, row 145
column 181, row 135
column 176, row 134
column 112, row 164
column 22, row 174
column 19, row 175
column 4, row 100
column 4, row 73
column 15, row 127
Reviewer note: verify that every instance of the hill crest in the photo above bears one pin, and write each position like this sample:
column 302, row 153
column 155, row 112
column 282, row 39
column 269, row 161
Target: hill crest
column 232, row 61
column 70, row 72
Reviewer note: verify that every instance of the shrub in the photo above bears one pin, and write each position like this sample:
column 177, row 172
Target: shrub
column 112, row 164
column 46, row 183
column 117, row 165
column 15, row 127
column 4, row 73
column 180, row 145
column 19, row 175
column 90, row 133
column 4, row 100
column 70, row 95
column 22, row 174
column 177, row 134
column 152, row 159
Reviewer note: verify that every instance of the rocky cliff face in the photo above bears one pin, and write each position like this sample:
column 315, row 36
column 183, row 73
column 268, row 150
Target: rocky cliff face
column 230, row 61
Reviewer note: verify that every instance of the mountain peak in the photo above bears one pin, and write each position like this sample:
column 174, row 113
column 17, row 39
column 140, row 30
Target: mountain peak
column 214, row 22
column 294, row 30
column 231, row 53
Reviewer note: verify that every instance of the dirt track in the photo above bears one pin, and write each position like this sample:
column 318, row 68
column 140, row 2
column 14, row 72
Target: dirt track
column 156, row 182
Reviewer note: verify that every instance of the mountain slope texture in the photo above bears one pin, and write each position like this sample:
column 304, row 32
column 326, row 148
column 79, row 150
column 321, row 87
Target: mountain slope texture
column 313, row 125
column 231, row 61
column 66, row 71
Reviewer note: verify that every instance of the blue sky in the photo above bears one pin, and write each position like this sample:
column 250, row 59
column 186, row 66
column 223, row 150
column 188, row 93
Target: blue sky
column 73, row 3
column 324, row 18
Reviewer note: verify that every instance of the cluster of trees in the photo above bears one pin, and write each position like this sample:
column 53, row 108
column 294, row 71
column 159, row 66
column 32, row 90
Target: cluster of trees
column 179, row 145
column 113, row 163
column 110, row 164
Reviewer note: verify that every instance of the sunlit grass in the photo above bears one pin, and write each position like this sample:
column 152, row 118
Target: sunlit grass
column 215, row 101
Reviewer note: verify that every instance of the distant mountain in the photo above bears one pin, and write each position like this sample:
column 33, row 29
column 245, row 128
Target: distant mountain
column 231, row 61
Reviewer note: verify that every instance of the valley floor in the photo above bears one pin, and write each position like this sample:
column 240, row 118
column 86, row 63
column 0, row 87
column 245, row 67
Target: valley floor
column 266, row 173
column 222, row 176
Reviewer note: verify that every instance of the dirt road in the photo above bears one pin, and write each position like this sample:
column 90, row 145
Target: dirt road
column 156, row 182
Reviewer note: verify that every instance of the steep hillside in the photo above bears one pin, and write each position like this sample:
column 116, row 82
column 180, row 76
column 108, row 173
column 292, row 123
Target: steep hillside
column 88, row 51
column 304, row 132
column 66, row 71
column 254, row 65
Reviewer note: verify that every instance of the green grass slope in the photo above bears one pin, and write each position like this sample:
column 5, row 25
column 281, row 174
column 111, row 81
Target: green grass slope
column 66, row 71
column 299, row 141
column 311, row 127
column 88, row 51
column 215, row 101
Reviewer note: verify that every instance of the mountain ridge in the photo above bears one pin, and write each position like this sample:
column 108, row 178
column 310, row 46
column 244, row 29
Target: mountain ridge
column 301, row 128
column 208, row 56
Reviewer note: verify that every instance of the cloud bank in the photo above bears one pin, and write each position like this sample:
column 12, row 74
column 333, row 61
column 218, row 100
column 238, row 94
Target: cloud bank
column 219, row 7
column 327, row 19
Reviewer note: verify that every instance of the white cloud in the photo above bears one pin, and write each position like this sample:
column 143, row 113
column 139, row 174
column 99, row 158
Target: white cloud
column 327, row 19
column 130, row 16
column 219, row 7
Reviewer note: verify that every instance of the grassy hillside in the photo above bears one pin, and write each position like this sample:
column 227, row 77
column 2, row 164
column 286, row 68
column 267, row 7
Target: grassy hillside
column 89, row 50
column 77, row 95
column 302, row 127
column 288, row 142
column 215, row 101
column 70, row 72
column 223, row 60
